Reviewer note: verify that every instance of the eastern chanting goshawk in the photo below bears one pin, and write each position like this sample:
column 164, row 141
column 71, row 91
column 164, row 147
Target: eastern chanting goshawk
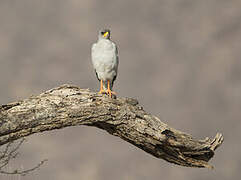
column 105, row 61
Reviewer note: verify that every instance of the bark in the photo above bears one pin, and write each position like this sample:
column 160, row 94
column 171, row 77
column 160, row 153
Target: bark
column 123, row 117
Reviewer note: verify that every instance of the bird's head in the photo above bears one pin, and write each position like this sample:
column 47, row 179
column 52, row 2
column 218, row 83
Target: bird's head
column 104, row 34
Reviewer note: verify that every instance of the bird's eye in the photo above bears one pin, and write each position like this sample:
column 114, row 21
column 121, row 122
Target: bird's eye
column 102, row 33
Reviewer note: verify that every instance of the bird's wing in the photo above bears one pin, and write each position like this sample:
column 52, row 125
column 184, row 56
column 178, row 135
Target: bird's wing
column 93, row 59
column 117, row 62
column 93, row 52
column 97, row 75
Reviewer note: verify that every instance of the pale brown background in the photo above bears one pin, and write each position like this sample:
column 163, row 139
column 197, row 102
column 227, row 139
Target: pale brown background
column 180, row 58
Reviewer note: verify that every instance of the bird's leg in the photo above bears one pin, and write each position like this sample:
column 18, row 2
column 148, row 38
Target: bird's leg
column 102, row 91
column 109, row 90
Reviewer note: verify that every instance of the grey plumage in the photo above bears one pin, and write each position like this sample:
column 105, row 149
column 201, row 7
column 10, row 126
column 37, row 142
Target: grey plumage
column 104, row 57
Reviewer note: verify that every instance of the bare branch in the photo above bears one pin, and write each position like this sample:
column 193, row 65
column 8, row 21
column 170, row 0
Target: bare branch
column 9, row 153
column 123, row 117
column 24, row 172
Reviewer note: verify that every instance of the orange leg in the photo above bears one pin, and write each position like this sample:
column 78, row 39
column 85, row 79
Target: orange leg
column 102, row 91
column 109, row 90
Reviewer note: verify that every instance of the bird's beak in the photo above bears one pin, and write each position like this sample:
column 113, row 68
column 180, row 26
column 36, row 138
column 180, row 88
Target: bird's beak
column 106, row 34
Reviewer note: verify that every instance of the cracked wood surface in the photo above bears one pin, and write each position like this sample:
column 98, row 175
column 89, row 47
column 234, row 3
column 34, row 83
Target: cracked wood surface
column 123, row 117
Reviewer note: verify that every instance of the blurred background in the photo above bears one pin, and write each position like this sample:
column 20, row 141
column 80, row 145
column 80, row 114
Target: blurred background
column 181, row 59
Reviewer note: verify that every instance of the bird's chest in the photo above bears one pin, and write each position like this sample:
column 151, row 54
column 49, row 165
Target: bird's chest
column 105, row 50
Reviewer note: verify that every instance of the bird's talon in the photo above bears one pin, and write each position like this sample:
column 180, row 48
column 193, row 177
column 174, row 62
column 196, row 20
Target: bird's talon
column 111, row 93
column 102, row 92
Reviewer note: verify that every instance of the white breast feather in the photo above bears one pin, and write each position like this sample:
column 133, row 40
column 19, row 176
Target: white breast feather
column 105, row 59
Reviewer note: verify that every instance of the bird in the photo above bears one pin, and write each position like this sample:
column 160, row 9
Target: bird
column 105, row 60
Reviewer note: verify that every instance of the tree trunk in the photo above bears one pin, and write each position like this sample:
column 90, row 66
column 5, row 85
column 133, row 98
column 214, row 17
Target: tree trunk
column 123, row 117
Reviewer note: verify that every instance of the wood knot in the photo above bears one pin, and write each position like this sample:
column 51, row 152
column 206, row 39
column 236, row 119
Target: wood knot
column 169, row 134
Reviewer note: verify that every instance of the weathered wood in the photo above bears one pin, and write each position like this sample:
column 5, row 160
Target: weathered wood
column 123, row 117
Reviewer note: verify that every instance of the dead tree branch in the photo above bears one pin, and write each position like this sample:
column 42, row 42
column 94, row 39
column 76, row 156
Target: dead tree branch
column 10, row 152
column 123, row 117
